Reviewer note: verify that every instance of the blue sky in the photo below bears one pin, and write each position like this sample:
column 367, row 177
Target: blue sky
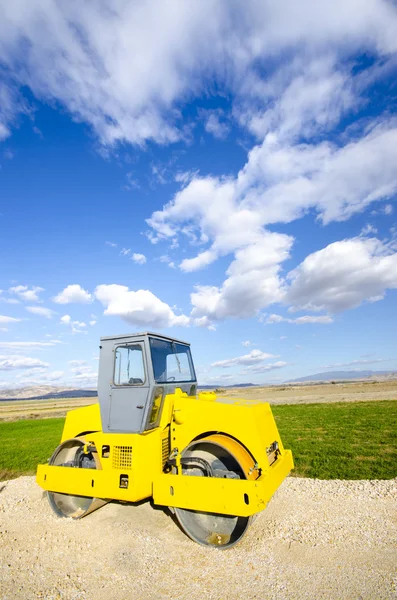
column 223, row 172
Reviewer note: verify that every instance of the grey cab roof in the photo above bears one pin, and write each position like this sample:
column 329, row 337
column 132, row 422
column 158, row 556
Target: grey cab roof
column 125, row 336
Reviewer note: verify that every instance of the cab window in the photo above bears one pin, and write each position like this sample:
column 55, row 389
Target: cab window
column 128, row 365
column 172, row 361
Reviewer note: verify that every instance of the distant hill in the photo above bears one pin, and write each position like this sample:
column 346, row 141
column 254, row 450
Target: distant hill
column 44, row 392
column 342, row 376
column 219, row 385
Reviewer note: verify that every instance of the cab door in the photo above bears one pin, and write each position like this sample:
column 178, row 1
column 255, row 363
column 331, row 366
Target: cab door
column 129, row 389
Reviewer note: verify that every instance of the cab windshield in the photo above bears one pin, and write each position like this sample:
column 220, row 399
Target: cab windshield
column 172, row 361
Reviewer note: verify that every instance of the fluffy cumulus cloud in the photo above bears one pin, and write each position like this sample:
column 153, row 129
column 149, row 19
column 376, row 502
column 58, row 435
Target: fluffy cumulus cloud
column 343, row 275
column 253, row 280
column 75, row 326
column 13, row 363
column 138, row 258
column 73, row 294
column 24, row 292
column 279, row 184
column 139, row 307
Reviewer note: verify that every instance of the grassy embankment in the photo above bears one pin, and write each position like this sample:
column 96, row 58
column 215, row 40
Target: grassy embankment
column 329, row 441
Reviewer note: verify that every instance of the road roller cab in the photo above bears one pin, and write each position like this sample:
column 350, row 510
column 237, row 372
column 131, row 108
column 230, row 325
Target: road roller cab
column 214, row 462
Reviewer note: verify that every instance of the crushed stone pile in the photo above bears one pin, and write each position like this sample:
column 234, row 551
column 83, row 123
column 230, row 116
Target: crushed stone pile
column 316, row 539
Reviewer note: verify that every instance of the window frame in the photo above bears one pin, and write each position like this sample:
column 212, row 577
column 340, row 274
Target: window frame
column 190, row 360
column 128, row 345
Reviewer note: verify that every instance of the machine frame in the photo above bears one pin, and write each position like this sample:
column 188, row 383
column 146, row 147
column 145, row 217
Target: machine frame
column 131, row 466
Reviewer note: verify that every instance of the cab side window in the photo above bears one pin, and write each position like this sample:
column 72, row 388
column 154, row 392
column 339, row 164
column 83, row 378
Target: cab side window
column 128, row 366
column 178, row 367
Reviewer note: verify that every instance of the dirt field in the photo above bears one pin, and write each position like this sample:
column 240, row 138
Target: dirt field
column 331, row 540
column 40, row 409
column 308, row 394
column 298, row 394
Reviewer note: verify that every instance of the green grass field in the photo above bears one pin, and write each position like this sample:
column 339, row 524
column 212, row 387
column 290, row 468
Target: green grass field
column 329, row 441
column 349, row 440
column 25, row 444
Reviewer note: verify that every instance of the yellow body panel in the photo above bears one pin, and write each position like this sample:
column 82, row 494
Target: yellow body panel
column 250, row 427
column 81, row 420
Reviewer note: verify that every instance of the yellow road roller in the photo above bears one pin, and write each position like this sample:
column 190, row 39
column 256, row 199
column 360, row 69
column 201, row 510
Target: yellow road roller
column 215, row 462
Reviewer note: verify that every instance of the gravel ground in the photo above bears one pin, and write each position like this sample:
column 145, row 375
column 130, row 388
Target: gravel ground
column 316, row 539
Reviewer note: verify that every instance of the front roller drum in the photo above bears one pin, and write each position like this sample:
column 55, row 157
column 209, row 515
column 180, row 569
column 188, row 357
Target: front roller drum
column 71, row 454
column 215, row 456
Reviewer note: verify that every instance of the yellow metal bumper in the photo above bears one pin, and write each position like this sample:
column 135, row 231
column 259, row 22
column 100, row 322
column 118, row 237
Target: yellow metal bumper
column 238, row 497
column 82, row 482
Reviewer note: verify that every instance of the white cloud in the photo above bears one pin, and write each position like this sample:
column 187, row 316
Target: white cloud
column 11, row 363
column 167, row 260
column 323, row 319
column 29, row 345
column 217, row 378
column 9, row 300
column 111, row 244
column 173, row 51
column 5, row 319
column 77, row 363
column 279, row 184
column 11, row 104
column 354, row 363
column 125, row 251
column 75, row 326
column 204, row 322
column 264, row 368
column 85, row 377
column 343, row 275
column 39, row 377
column 253, row 281
column 41, row 311
column 92, row 323
column 246, row 343
column 388, row 209
column 138, row 308
column 140, row 259
column 255, row 356
column 25, row 293
column 73, row 293
column 81, row 369
column 131, row 183
column 368, row 229
column 214, row 125
column 4, row 132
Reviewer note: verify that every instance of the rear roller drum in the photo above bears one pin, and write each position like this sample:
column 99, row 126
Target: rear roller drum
column 215, row 456
column 71, row 454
